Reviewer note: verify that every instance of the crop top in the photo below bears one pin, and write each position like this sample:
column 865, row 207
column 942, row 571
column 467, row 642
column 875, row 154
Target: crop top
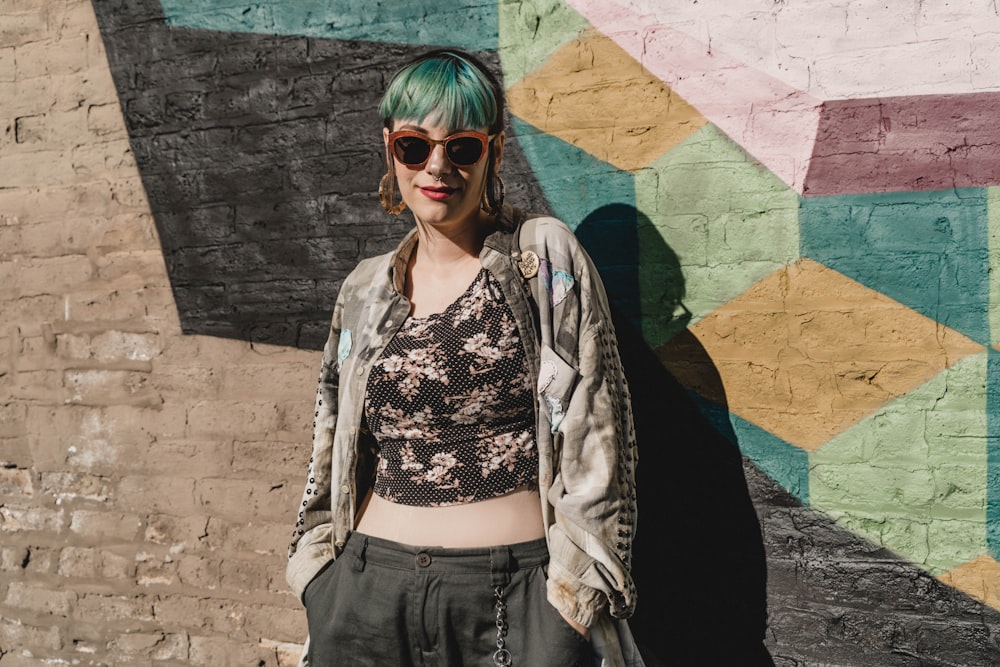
column 451, row 405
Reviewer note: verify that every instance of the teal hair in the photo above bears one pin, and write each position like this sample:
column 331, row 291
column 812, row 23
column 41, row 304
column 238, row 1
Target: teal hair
column 445, row 87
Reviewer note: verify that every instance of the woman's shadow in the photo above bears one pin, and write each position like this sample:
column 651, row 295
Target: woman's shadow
column 698, row 557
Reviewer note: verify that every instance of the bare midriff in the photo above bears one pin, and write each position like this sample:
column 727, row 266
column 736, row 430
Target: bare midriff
column 507, row 519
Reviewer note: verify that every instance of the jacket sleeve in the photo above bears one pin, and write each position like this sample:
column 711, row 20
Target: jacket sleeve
column 311, row 545
column 593, row 490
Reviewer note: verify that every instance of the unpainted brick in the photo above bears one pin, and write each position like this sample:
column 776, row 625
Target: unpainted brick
column 105, row 527
column 110, row 387
column 36, row 168
column 116, row 303
column 155, row 570
column 76, row 485
column 250, row 500
column 14, row 558
column 244, row 576
column 286, row 624
column 39, row 59
column 30, row 519
column 15, row 633
column 287, row 653
column 117, row 566
column 225, row 617
column 114, row 345
column 105, row 120
column 265, row 537
column 30, row 597
column 286, row 458
column 7, row 68
column 234, row 419
column 16, row 482
column 215, row 650
column 158, row 494
column 56, row 274
column 201, row 572
column 117, row 608
column 186, row 533
column 82, row 562
column 142, row 426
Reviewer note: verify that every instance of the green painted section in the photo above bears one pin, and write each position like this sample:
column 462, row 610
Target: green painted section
column 727, row 219
column 531, row 31
column 468, row 25
column 993, row 225
column 912, row 477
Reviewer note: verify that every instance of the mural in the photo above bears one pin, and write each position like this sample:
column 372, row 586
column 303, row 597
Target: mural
column 803, row 255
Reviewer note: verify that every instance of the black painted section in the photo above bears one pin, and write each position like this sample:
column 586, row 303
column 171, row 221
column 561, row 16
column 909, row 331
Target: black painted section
column 261, row 157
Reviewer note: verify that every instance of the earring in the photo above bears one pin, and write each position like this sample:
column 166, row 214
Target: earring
column 386, row 191
column 495, row 191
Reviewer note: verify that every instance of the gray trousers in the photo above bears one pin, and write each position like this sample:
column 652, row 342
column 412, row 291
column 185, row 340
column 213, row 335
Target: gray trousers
column 387, row 604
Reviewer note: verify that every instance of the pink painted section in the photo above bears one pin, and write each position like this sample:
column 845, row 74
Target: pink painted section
column 772, row 121
column 817, row 147
column 906, row 143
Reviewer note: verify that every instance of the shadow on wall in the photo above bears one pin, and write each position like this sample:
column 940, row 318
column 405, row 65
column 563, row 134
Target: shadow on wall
column 699, row 561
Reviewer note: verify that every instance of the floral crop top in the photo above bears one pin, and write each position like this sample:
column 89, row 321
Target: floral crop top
column 450, row 403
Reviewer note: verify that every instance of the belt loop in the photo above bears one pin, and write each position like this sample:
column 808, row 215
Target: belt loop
column 359, row 559
column 501, row 565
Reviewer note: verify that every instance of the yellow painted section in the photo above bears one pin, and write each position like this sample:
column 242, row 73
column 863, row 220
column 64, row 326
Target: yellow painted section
column 979, row 578
column 594, row 95
column 807, row 352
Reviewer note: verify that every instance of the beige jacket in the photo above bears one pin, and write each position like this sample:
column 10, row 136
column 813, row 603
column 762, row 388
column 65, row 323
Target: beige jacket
column 585, row 438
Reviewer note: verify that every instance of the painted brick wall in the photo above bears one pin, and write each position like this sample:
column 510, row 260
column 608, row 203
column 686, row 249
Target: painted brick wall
column 154, row 429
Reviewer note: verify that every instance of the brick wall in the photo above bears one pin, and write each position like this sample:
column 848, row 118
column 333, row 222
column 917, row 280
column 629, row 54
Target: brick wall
column 146, row 476
column 149, row 471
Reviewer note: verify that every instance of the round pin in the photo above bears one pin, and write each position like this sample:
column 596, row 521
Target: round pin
column 528, row 264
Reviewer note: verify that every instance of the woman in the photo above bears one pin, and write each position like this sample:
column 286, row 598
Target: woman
column 470, row 496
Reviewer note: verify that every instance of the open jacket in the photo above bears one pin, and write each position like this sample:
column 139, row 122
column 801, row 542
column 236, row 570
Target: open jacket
column 584, row 432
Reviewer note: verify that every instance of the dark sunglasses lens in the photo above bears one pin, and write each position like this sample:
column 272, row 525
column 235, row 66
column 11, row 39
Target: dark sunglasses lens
column 411, row 150
column 465, row 150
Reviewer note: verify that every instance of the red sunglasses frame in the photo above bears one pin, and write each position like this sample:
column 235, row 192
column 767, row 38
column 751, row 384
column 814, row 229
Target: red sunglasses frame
column 485, row 139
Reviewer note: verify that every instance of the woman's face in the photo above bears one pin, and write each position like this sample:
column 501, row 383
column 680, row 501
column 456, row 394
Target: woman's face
column 440, row 191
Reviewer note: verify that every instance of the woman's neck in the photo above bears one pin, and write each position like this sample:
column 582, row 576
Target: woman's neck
column 448, row 245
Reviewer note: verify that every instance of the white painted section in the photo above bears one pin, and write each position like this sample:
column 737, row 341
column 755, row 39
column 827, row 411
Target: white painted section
column 840, row 49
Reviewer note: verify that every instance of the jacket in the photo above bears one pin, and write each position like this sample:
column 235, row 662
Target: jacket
column 584, row 430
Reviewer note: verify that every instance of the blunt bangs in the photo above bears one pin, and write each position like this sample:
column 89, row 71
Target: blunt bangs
column 445, row 90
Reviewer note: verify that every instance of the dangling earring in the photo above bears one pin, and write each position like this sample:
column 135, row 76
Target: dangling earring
column 386, row 191
column 494, row 191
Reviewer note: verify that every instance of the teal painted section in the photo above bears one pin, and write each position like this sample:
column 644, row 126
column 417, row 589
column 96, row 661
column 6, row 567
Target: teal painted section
column 993, row 454
column 785, row 463
column 927, row 250
column 575, row 183
column 465, row 25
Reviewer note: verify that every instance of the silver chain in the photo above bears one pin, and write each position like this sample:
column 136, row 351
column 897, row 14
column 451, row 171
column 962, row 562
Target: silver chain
column 501, row 657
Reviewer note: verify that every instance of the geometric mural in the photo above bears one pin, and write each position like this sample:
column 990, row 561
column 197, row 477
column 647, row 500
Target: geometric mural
column 813, row 274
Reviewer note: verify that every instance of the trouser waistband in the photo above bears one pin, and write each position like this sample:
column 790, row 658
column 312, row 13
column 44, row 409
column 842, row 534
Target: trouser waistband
column 498, row 561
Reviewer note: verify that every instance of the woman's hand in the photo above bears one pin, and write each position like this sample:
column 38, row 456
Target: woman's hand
column 582, row 629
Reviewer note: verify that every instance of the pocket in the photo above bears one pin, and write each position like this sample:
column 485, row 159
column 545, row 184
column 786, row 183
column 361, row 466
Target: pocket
column 317, row 582
column 556, row 381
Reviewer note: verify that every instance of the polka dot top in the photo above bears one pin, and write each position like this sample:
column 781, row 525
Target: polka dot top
column 451, row 406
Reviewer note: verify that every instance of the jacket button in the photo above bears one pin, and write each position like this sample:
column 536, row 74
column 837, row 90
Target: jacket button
column 345, row 489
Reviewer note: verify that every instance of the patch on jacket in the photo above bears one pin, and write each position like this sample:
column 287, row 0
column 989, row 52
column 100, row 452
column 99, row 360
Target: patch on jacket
column 344, row 348
column 562, row 285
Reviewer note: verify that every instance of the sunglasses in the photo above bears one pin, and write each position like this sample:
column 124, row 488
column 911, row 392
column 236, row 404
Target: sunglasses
column 463, row 149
